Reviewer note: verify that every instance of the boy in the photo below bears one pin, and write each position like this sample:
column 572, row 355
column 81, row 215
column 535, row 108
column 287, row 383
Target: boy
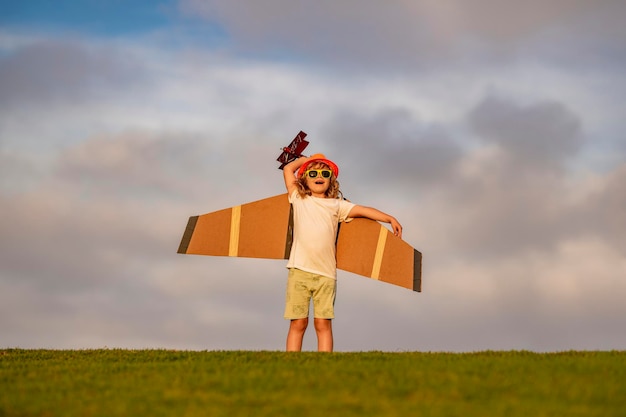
column 318, row 208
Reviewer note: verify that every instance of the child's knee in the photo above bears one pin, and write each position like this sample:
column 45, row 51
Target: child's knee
column 323, row 325
column 299, row 325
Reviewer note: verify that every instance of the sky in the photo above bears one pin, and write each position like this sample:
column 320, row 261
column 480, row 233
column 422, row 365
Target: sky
column 492, row 130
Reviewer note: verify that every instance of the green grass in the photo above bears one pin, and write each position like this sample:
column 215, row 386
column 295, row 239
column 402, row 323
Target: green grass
column 244, row 383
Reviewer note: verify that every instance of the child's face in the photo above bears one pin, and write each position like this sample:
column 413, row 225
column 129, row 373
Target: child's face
column 318, row 185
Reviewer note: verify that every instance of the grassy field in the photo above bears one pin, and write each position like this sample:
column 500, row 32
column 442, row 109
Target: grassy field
column 247, row 383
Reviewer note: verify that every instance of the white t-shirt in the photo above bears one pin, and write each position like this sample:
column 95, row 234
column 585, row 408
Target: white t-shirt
column 316, row 221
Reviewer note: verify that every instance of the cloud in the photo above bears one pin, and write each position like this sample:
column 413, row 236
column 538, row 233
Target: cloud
column 89, row 251
column 511, row 193
column 422, row 153
column 368, row 34
column 603, row 206
column 501, row 22
column 541, row 135
column 487, row 165
column 138, row 165
column 61, row 70
column 424, row 35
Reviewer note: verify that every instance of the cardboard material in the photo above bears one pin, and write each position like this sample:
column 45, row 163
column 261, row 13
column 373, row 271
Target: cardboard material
column 368, row 248
column 264, row 229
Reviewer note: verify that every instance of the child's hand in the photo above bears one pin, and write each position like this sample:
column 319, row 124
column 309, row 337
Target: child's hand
column 396, row 227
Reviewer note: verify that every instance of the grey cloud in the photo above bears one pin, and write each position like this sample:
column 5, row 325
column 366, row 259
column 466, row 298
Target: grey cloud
column 88, row 259
column 420, row 154
column 341, row 34
column 587, row 39
column 140, row 163
column 134, row 313
column 438, row 323
column 95, row 210
column 604, row 209
column 505, row 22
column 514, row 195
column 540, row 135
column 18, row 172
column 114, row 200
column 64, row 70
column 59, row 242
column 369, row 35
column 496, row 214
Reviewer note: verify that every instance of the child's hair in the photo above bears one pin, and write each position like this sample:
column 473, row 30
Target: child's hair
column 333, row 190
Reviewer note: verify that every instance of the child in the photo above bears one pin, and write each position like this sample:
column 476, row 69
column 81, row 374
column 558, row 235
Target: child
column 317, row 208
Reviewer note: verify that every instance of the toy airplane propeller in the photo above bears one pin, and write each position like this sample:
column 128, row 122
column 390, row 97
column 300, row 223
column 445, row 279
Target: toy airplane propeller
column 264, row 229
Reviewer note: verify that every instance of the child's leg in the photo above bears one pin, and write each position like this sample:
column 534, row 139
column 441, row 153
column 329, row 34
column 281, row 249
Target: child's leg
column 297, row 327
column 297, row 302
column 324, row 304
column 324, row 330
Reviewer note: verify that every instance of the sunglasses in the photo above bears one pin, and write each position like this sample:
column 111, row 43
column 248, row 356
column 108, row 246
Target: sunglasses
column 314, row 173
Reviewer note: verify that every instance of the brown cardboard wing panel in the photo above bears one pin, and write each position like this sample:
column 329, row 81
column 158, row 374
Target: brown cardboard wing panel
column 356, row 246
column 263, row 228
column 367, row 248
column 397, row 265
column 258, row 230
column 211, row 234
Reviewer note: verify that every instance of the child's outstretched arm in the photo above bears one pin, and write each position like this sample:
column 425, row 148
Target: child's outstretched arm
column 374, row 214
column 289, row 171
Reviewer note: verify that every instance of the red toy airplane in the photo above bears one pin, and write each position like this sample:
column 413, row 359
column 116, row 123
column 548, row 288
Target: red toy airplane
column 294, row 150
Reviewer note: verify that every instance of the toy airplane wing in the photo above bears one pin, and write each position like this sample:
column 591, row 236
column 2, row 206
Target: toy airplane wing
column 264, row 229
column 294, row 150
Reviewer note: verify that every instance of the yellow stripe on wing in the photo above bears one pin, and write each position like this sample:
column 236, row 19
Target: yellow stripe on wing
column 378, row 256
column 235, row 223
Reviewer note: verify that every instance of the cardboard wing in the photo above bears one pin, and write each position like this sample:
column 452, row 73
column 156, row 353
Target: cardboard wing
column 264, row 229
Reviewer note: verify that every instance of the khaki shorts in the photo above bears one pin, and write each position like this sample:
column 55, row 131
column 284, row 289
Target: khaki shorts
column 301, row 287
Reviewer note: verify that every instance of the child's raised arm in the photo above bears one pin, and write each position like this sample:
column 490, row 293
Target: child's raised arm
column 374, row 214
column 289, row 171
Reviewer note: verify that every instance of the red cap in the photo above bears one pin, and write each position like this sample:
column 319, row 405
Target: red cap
column 319, row 157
